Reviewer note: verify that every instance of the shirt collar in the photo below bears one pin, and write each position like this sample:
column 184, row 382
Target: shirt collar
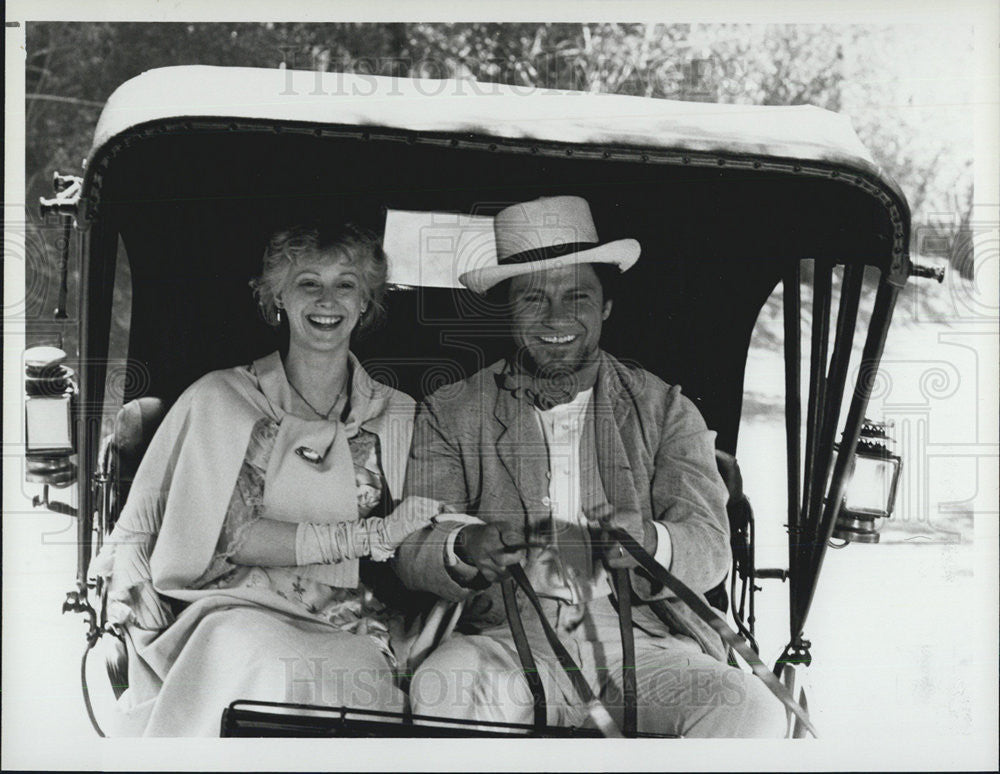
column 576, row 406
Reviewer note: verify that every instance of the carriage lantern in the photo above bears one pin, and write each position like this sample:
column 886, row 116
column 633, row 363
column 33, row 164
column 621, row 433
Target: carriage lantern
column 871, row 491
column 50, row 391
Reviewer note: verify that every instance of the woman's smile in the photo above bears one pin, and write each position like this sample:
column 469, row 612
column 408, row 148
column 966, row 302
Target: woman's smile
column 324, row 322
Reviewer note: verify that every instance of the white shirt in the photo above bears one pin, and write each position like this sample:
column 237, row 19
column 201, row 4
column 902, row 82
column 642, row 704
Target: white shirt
column 565, row 570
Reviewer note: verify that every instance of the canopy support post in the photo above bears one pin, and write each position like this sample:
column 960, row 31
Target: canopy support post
column 813, row 486
column 885, row 302
column 792, row 308
column 847, row 315
column 96, row 289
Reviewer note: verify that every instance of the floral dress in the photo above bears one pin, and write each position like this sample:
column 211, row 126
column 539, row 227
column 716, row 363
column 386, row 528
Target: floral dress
column 355, row 610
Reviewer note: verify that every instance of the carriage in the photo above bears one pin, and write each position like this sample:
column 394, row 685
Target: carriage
column 191, row 167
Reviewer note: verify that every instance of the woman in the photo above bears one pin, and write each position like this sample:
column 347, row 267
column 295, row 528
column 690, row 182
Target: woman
column 259, row 505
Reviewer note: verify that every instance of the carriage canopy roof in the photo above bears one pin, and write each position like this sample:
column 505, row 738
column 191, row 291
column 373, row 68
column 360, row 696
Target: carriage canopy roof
column 464, row 107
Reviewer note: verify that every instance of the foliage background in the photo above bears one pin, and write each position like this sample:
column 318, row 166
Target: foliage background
column 902, row 86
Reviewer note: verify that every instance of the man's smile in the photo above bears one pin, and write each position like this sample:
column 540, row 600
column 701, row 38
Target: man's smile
column 559, row 339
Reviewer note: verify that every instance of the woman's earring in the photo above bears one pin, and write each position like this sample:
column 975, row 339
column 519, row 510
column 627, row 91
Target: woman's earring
column 277, row 314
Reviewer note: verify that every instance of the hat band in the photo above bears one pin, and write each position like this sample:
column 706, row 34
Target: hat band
column 545, row 253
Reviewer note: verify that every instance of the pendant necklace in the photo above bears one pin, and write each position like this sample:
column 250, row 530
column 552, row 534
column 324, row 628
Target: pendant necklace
column 311, row 455
column 316, row 411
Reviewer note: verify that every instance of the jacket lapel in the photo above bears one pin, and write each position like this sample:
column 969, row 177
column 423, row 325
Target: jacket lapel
column 613, row 420
column 521, row 449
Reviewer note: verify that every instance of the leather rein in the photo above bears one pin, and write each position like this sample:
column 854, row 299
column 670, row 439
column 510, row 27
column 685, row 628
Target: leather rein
column 517, row 580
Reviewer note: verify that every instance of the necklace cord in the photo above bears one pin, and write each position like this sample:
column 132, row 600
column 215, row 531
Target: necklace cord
column 317, row 412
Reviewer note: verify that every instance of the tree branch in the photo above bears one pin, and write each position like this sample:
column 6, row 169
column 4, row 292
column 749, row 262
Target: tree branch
column 58, row 98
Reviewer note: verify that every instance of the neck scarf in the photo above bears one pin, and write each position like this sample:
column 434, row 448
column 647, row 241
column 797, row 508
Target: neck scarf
column 547, row 388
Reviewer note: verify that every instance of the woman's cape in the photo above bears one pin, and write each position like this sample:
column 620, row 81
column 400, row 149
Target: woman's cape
column 170, row 526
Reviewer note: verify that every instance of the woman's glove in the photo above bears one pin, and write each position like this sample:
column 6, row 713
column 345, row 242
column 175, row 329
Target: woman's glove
column 131, row 600
column 140, row 606
column 374, row 537
column 412, row 515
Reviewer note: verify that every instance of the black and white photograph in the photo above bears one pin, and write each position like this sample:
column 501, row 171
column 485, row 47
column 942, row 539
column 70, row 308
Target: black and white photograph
column 545, row 386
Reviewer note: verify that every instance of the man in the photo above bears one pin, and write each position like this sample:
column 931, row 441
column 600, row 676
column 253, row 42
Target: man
column 541, row 450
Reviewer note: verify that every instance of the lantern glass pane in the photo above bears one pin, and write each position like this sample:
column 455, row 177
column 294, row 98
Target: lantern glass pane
column 48, row 424
column 870, row 487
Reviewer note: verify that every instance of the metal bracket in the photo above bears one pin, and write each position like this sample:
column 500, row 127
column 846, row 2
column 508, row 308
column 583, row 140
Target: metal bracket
column 796, row 652
column 52, row 505
column 65, row 204
column 67, row 198
column 922, row 271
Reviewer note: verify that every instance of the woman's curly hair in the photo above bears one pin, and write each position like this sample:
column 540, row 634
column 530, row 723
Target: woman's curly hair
column 358, row 247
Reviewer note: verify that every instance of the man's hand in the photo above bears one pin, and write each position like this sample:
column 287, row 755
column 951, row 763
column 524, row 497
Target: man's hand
column 491, row 548
column 615, row 554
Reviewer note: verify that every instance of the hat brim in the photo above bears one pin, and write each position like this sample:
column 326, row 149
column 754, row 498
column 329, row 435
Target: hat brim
column 622, row 253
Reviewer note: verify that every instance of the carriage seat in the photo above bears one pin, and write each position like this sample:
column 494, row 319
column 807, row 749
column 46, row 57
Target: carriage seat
column 122, row 450
column 740, row 516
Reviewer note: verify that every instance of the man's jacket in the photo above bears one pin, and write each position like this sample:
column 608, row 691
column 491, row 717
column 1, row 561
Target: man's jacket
column 480, row 451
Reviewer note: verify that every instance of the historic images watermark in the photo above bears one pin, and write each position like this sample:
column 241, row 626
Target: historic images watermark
column 939, row 396
column 690, row 78
column 971, row 246
column 459, row 691
column 37, row 244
